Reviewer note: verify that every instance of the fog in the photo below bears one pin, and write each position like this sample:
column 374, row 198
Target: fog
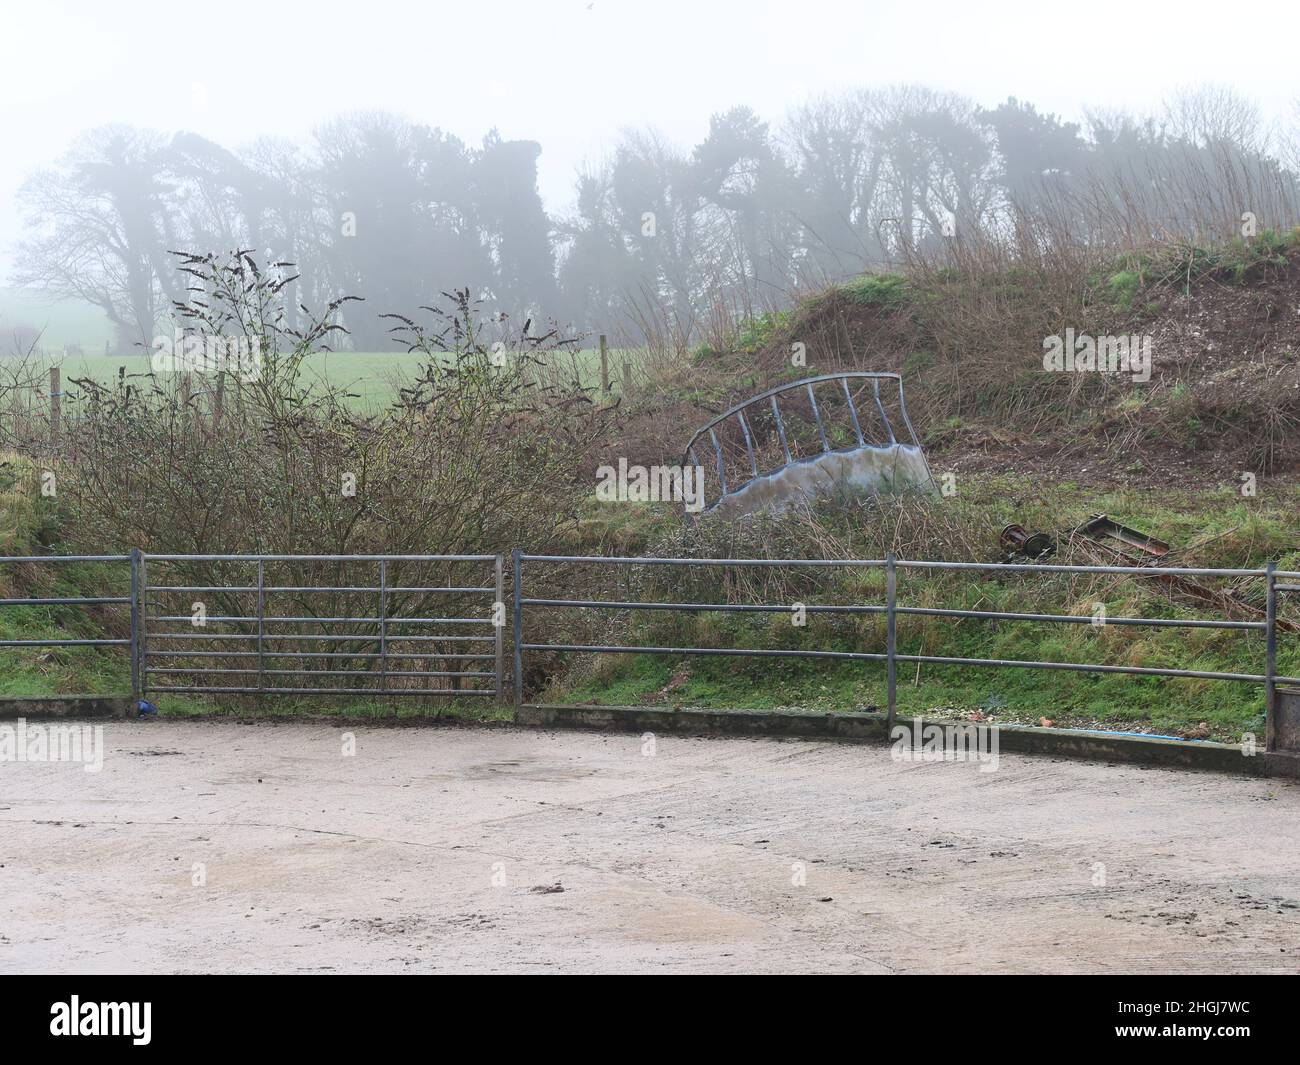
column 629, row 167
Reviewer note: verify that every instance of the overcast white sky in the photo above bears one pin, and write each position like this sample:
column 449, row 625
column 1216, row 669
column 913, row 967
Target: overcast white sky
column 571, row 73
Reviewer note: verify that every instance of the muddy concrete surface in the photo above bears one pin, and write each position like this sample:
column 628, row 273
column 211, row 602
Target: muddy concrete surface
column 216, row 847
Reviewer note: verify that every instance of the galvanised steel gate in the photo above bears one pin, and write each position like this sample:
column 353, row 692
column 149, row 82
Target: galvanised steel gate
column 380, row 625
column 244, row 624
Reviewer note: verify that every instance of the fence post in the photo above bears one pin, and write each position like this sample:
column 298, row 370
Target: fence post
column 56, row 407
column 218, row 404
column 627, row 378
column 498, row 571
column 143, row 637
column 135, row 627
column 261, row 629
column 891, row 635
column 1270, row 657
column 604, row 367
column 516, row 557
column 383, row 626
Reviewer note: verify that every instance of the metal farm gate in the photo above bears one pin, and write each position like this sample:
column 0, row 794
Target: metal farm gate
column 382, row 625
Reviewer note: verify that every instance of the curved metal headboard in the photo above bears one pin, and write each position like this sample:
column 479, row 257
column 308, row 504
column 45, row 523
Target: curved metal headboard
column 738, row 411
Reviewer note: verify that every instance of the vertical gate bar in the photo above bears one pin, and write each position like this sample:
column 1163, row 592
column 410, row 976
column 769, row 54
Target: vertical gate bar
column 875, row 384
column 817, row 414
column 780, row 431
column 135, row 625
column 749, row 443
column 261, row 626
column 498, row 607
column 1270, row 657
column 383, row 625
column 848, row 398
column 143, row 636
column 891, row 637
column 518, row 567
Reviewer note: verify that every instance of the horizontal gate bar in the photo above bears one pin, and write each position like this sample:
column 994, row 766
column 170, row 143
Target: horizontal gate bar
column 1082, row 667
column 78, row 600
column 327, row 621
column 606, row 604
column 207, row 690
column 65, row 643
column 1083, row 619
column 738, row 652
column 1015, row 567
column 326, row 637
column 21, row 559
column 360, row 674
column 1127, row 571
column 311, row 654
column 251, row 588
column 149, row 557
column 615, row 560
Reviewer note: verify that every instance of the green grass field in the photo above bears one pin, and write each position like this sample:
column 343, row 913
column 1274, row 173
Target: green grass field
column 372, row 377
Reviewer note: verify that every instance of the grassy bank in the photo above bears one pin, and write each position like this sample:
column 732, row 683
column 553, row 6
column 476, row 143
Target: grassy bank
column 1217, row 529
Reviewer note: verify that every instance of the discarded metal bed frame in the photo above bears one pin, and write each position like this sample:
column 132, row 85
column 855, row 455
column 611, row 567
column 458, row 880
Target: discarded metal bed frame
column 891, row 610
column 690, row 455
column 262, row 645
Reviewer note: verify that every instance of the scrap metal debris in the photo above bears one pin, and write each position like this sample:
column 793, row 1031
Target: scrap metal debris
column 1106, row 542
column 1016, row 540
column 1121, row 541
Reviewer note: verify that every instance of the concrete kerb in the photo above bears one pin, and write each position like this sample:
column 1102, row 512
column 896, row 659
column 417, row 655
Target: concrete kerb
column 872, row 727
column 45, row 707
column 868, row 727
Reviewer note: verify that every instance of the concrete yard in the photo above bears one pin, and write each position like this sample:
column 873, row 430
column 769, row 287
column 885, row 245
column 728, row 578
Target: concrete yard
column 214, row 847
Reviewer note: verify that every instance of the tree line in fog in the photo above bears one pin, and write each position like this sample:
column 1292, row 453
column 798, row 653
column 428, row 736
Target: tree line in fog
column 659, row 238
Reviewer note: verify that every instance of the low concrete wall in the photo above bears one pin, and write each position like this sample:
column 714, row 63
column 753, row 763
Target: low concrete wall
column 34, row 708
column 868, row 470
column 871, row 728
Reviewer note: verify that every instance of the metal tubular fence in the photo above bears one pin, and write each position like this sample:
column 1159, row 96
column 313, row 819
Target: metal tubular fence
column 56, row 601
column 891, row 609
column 353, row 650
